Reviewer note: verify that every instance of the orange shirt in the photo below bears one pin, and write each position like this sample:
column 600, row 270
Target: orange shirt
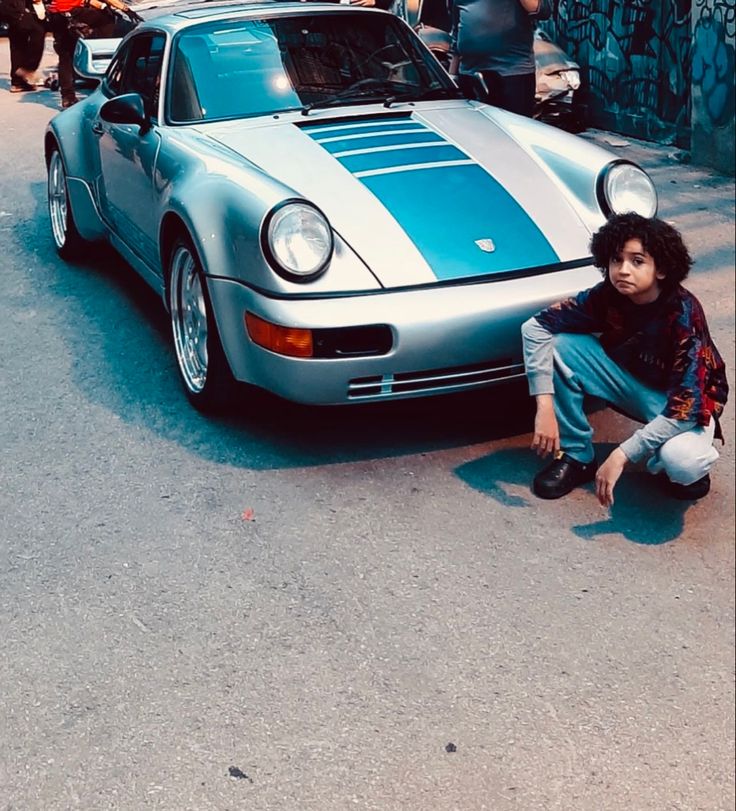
column 60, row 6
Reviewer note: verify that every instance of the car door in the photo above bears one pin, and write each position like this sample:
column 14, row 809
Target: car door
column 127, row 152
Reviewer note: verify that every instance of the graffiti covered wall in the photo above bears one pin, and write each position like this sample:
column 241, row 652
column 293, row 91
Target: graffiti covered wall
column 636, row 59
column 713, row 85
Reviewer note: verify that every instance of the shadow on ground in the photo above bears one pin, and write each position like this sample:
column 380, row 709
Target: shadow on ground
column 117, row 332
column 643, row 513
column 42, row 96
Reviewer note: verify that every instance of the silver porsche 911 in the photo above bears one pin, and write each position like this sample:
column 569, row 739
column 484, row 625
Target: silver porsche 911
column 323, row 213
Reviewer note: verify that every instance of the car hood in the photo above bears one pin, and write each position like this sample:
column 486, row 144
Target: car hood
column 436, row 193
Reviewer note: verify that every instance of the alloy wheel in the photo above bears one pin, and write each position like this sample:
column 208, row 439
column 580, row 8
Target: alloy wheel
column 189, row 318
column 57, row 199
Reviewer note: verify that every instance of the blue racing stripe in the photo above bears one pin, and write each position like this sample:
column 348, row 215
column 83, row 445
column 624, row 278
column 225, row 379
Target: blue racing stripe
column 386, row 139
column 445, row 210
column 401, row 157
column 320, row 133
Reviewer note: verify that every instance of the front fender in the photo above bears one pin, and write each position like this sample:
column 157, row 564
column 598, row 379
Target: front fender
column 572, row 162
column 222, row 203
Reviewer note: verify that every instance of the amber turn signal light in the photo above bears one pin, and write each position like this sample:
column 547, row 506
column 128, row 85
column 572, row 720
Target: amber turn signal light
column 292, row 341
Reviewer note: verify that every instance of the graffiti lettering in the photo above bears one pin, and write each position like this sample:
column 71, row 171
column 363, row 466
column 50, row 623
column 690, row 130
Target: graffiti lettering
column 713, row 63
column 722, row 10
column 637, row 54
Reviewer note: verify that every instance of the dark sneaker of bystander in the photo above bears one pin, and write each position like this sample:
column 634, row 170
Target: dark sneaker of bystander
column 689, row 492
column 21, row 86
column 562, row 475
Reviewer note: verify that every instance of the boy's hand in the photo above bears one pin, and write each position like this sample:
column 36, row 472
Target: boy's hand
column 546, row 431
column 607, row 476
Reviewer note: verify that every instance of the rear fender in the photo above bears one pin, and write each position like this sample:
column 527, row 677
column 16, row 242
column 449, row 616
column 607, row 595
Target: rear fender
column 71, row 130
column 79, row 174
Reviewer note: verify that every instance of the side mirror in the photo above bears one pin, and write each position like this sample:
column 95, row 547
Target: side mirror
column 127, row 109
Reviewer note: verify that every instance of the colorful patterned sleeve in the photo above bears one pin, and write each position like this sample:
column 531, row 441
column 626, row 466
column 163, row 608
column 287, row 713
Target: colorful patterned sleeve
column 582, row 313
column 686, row 390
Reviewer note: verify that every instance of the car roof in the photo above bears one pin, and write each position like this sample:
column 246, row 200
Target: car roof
column 199, row 9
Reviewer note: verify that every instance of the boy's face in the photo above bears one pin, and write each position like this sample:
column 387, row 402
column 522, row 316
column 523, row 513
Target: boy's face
column 634, row 274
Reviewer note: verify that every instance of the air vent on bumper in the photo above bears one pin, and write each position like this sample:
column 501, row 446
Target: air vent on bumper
column 434, row 380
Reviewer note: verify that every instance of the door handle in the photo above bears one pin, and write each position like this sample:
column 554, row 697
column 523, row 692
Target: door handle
column 97, row 128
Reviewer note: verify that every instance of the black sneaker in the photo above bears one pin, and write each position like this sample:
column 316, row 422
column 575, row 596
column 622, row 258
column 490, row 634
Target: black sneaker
column 690, row 492
column 562, row 475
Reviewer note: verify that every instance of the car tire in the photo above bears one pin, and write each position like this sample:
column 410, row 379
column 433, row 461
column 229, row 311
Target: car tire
column 69, row 243
column 203, row 368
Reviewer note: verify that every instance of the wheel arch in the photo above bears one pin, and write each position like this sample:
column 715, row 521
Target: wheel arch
column 50, row 142
column 81, row 198
column 221, row 207
column 172, row 226
column 208, row 383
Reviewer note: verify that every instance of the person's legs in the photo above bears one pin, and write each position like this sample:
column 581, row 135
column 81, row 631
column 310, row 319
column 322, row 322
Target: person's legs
column 688, row 457
column 512, row 93
column 582, row 368
column 26, row 49
column 64, row 44
column 33, row 52
column 66, row 71
column 16, row 43
column 99, row 24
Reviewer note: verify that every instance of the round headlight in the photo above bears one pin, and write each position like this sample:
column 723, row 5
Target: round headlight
column 299, row 240
column 626, row 188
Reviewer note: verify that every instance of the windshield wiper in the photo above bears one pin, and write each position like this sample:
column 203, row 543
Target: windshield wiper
column 361, row 89
column 340, row 98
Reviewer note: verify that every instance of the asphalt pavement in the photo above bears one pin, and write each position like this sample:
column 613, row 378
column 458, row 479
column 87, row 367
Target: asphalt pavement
column 336, row 608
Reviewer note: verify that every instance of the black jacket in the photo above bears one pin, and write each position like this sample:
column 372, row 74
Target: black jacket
column 12, row 10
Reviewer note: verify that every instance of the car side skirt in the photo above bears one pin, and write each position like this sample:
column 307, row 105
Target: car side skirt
column 149, row 276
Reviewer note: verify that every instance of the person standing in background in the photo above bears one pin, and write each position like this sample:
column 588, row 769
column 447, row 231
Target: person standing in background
column 495, row 38
column 26, row 35
column 66, row 19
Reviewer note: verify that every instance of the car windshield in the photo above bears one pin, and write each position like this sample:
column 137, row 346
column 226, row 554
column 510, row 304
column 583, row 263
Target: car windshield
column 241, row 68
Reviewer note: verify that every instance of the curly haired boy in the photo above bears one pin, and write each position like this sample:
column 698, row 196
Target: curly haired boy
column 640, row 342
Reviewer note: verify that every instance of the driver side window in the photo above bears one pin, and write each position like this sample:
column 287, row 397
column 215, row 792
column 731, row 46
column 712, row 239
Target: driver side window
column 138, row 70
column 114, row 76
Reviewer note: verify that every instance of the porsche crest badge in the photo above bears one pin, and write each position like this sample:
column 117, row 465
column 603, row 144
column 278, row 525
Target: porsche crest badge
column 486, row 245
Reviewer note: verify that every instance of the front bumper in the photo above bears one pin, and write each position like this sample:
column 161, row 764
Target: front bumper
column 445, row 339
